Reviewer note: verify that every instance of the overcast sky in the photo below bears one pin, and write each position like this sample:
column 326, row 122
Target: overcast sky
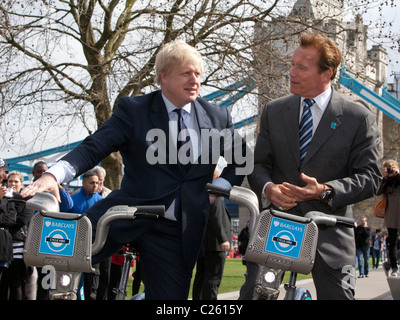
column 390, row 18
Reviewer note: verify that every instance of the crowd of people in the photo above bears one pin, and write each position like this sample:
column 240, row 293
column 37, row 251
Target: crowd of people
column 372, row 248
column 316, row 150
column 21, row 282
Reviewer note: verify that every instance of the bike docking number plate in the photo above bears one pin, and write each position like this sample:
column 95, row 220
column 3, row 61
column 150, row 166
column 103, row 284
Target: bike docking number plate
column 58, row 237
column 285, row 237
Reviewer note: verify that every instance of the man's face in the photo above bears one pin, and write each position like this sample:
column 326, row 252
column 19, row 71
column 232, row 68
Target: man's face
column 39, row 170
column 101, row 181
column 90, row 184
column 305, row 79
column 182, row 84
column 3, row 175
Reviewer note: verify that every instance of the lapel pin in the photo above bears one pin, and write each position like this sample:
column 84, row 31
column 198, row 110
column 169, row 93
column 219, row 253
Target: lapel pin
column 333, row 125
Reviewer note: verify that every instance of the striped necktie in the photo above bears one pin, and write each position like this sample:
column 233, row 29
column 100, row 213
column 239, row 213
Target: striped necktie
column 180, row 143
column 183, row 167
column 305, row 128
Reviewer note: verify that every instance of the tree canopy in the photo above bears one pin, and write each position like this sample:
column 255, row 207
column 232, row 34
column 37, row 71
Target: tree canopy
column 66, row 63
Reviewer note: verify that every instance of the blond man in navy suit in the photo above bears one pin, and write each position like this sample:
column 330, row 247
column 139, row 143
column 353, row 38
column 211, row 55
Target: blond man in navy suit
column 144, row 130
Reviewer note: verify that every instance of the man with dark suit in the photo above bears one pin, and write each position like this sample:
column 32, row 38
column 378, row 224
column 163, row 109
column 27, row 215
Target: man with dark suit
column 210, row 267
column 340, row 166
column 144, row 130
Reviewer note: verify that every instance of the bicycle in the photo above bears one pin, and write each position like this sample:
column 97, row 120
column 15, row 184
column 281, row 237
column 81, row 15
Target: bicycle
column 61, row 243
column 280, row 242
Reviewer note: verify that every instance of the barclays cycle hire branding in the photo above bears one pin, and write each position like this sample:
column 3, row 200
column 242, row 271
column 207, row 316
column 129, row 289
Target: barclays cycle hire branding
column 285, row 237
column 58, row 237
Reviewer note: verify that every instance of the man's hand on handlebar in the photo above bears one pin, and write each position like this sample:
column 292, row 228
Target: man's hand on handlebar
column 46, row 183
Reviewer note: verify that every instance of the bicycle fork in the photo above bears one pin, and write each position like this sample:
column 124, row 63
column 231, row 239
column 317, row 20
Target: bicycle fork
column 121, row 290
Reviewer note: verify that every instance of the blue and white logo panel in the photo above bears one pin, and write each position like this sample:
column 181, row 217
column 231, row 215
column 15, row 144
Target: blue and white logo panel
column 285, row 237
column 58, row 237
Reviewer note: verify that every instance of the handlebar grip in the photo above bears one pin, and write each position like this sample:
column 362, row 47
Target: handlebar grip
column 156, row 210
column 345, row 221
column 321, row 218
column 218, row 191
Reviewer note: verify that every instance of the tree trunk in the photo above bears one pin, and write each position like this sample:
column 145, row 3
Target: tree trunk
column 113, row 166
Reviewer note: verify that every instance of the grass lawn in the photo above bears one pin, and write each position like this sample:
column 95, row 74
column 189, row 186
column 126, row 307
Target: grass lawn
column 232, row 279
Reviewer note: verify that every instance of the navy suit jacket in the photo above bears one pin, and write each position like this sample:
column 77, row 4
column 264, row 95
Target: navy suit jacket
column 144, row 183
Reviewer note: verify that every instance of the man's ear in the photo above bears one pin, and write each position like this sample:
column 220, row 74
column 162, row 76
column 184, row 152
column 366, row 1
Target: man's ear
column 328, row 74
column 163, row 77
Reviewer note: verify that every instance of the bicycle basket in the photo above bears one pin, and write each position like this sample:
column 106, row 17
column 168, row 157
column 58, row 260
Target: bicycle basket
column 63, row 240
column 283, row 241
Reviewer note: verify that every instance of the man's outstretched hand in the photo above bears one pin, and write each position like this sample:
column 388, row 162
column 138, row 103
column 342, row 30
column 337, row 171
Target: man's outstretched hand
column 46, row 183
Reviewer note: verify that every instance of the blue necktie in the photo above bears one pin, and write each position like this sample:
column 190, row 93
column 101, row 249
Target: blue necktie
column 305, row 128
column 180, row 143
column 183, row 167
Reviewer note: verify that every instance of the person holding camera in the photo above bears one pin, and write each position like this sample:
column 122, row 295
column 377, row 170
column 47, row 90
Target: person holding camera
column 390, row 187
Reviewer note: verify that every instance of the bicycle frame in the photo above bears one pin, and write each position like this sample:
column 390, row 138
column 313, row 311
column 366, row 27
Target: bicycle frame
column 129, row 256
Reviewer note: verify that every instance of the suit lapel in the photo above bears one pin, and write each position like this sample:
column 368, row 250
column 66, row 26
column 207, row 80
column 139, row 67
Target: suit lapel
column 160, row 120
column 330, row 122
column 158, row 115
column 203, row 122
column 291, row 118
column 202, row 118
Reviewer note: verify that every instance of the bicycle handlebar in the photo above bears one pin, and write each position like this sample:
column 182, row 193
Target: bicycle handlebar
column 217, row 191
column 247, row 198
column 48, row 206
column 330, row 220
column 122, row 212
column 242, row 196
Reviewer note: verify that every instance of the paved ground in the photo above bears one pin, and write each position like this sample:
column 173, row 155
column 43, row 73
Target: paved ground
column 375, row 287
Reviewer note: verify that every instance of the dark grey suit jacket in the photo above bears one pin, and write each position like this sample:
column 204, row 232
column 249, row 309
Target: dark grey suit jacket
column 218, row 227
column 343, row 154
column 145, row 183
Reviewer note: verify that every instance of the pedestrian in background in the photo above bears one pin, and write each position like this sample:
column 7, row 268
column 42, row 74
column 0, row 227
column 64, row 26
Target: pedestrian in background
column 376, row 248
column 390, row 187
column 362, row 234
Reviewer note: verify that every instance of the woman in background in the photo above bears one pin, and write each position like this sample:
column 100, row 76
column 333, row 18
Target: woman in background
column 390, row 187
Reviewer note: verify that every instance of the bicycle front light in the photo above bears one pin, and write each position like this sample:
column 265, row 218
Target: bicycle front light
column 65, row 280
column 269, row 277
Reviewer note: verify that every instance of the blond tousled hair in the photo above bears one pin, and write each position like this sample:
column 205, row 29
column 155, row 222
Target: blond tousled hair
column 174, row 54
